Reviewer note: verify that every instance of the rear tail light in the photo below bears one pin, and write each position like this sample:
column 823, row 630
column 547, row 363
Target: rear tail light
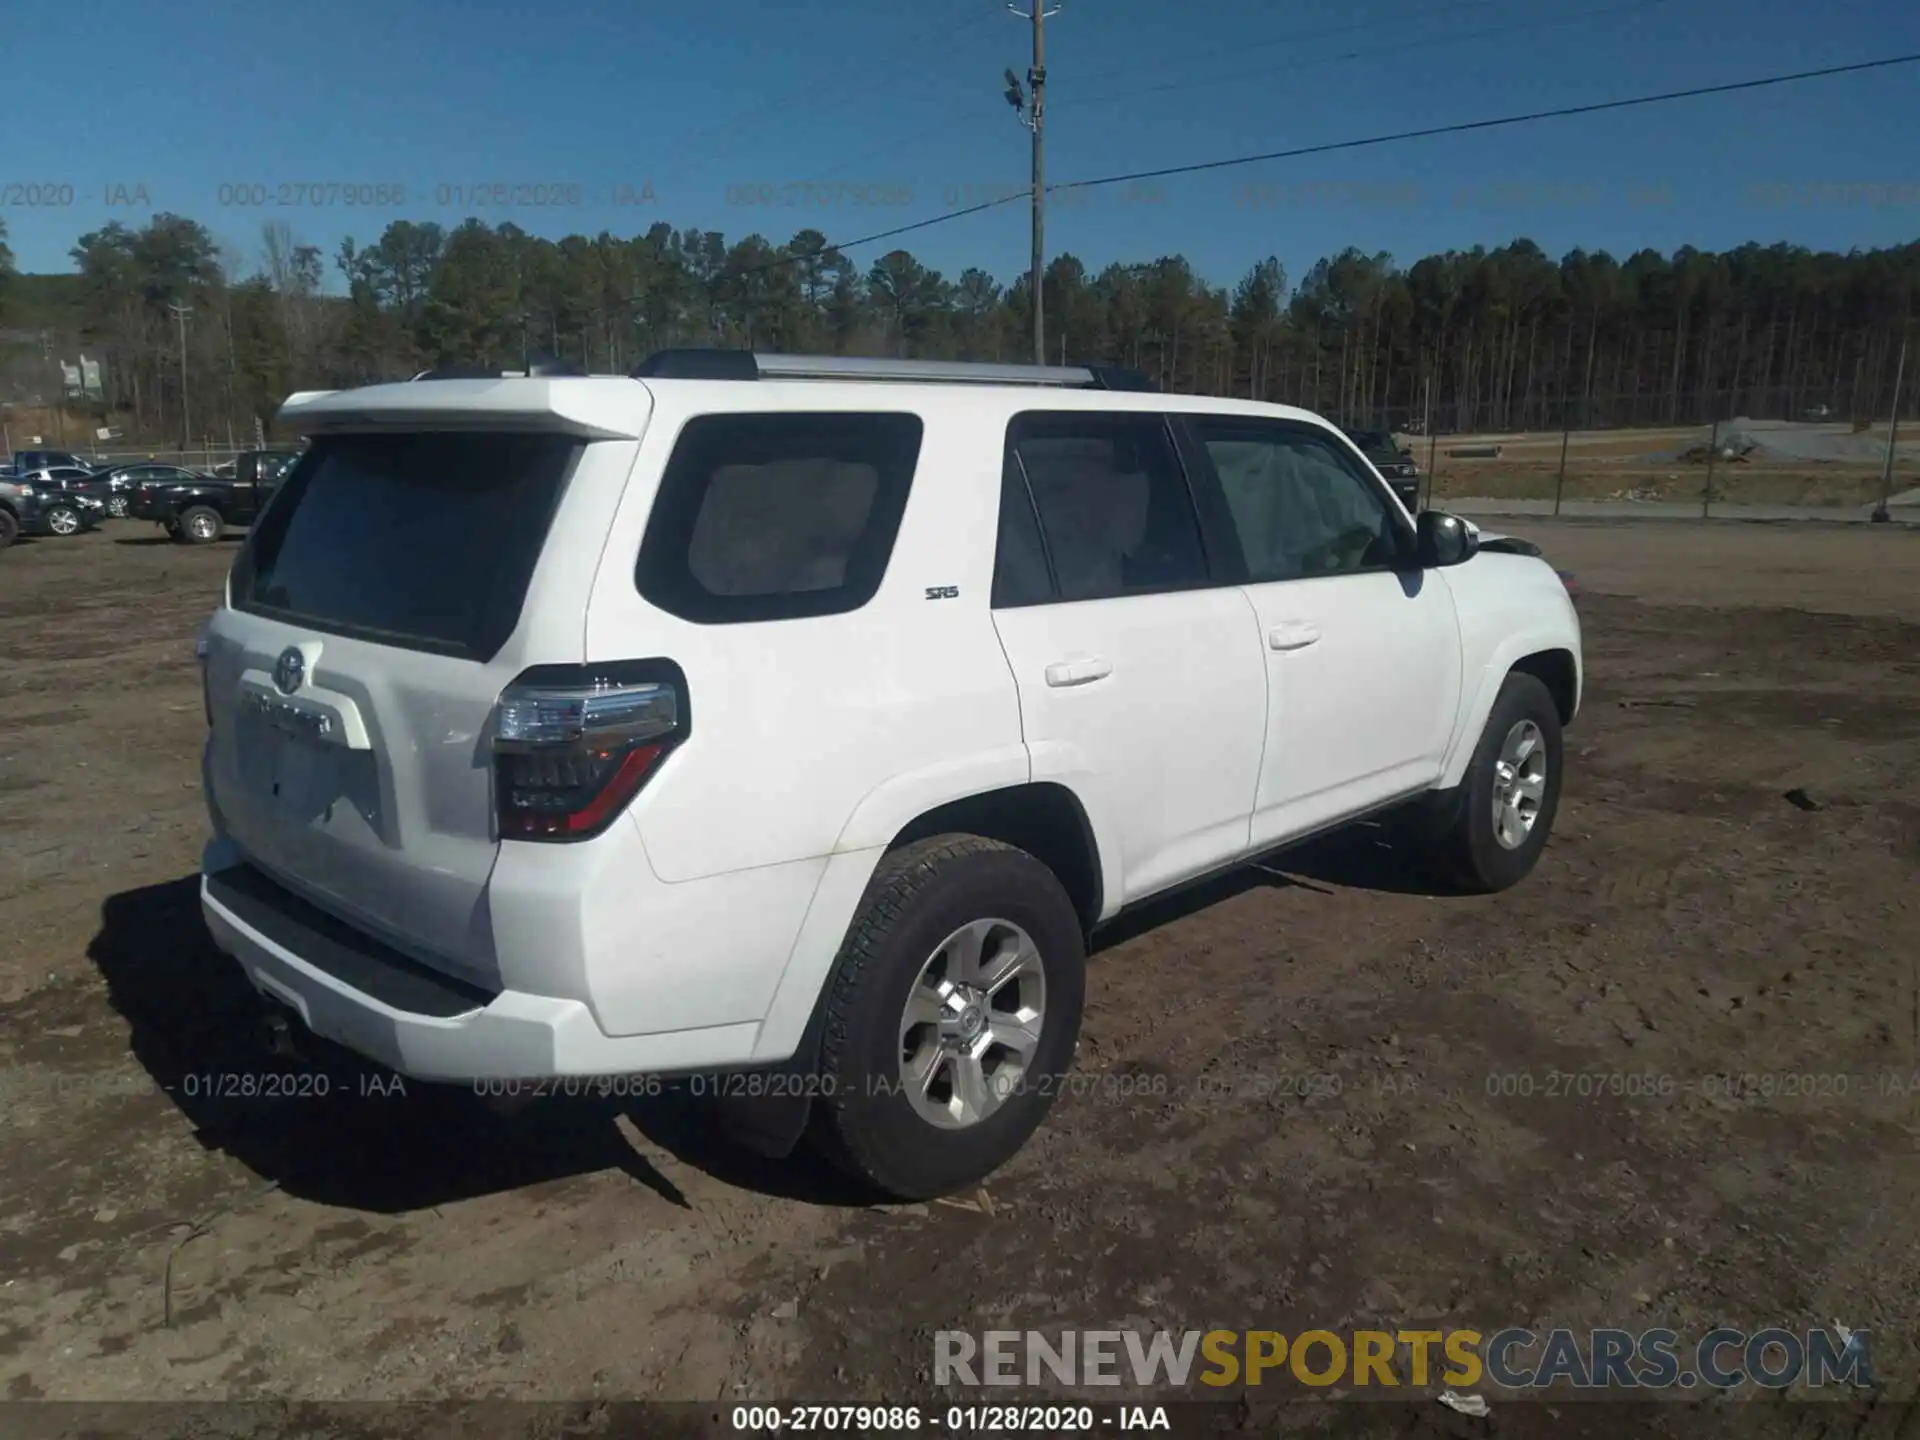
column 574, row 744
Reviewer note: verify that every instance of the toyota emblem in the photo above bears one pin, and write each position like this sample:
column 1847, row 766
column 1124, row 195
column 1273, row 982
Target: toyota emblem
column 289, row 670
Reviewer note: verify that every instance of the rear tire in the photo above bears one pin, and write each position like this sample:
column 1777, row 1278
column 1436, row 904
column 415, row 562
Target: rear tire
column 1486, row 834
column 916, row 1108
column 9, row 528
column 198, row 525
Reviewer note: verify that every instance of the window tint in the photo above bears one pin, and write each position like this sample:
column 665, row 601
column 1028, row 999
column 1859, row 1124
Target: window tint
column 424, row 540
column 1299, row 503
column 1112, row 501
column 779, row 516
column 1019, row 561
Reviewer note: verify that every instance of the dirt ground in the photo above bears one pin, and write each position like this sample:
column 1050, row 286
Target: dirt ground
column 1686, row 921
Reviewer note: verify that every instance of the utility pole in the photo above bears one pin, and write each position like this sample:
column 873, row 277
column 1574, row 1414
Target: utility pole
column 1882, row 515
column 180, row 313
column 1034, row 118
column 59, row 387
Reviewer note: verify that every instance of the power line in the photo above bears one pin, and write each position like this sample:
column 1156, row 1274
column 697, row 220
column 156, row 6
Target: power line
column 1465, row 126
column 1457, row 128
column 1311, row 63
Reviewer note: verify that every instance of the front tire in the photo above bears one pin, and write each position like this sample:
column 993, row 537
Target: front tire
column 953, row 1012
column 198, row 525
column 64, row 520
column 1490, row 829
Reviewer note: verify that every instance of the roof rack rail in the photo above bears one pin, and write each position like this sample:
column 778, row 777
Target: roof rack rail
column 747, row 365
column 538, row 366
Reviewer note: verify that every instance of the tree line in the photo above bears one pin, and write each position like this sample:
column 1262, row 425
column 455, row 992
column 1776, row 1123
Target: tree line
column 1506, row 338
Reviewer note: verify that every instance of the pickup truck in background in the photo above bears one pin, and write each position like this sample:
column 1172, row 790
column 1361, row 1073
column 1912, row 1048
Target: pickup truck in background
column 200, row 510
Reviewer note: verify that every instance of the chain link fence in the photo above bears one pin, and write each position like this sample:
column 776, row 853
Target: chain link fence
column 1730, row 451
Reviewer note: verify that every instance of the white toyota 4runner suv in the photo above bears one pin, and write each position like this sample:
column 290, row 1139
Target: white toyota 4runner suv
column 801, row 717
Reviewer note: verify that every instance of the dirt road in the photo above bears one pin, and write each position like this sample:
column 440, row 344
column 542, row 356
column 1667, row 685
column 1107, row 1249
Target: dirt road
column 1303, row 1099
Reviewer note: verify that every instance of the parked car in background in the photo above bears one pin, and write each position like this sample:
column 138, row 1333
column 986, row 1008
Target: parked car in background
column 1395, row 464
column 15, row 501
column 25, row 460
column 199, row 509
column 60, row 502
column 120, row 481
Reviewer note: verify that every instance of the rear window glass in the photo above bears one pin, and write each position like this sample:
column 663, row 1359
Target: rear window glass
column 426, row 540
column 777, row 517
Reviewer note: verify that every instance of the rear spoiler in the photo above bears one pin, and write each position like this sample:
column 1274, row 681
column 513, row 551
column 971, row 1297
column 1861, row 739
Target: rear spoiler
column 593, row 408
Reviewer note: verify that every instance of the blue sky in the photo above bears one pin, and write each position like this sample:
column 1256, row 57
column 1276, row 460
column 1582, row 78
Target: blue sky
column 858, row 116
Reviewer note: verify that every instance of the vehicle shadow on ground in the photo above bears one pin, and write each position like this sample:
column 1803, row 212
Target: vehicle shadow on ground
column 146, row 540
column 1368, row 855
column 338, row 1130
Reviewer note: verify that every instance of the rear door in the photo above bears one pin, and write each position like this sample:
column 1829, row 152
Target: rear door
column 1361, row 647
column 1141, row 683
column 373, row 621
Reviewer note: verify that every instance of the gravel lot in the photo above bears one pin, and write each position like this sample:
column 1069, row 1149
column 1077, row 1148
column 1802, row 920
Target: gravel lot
column 1687, row 921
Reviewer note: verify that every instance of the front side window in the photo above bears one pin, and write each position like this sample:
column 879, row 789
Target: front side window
column 1299, row 503
column 1112, row 500
column 777, row 516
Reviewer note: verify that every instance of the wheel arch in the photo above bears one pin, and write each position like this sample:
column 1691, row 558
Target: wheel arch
column 1559, row 672
column 1546, row 656
column 1042, row 817
column 1046, row 818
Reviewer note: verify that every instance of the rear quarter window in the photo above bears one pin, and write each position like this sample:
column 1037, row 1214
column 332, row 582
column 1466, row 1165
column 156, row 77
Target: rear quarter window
column 777, row 516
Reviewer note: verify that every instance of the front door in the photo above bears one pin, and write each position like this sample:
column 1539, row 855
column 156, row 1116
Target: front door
column 1362, row 647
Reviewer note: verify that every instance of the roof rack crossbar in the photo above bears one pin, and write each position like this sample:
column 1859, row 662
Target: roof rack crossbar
column 747, row 365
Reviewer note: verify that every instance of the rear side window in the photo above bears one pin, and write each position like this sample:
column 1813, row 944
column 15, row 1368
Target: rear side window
column 777, row 516
column 425, row 541
column 1020, row 574
column 1113, row 503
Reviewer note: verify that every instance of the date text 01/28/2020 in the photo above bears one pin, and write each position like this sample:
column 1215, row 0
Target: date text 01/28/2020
column 730, row 1085
column 955, row 1420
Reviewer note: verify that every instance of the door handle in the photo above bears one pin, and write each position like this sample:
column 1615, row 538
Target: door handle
column 1293, row 635
column 1078, row 672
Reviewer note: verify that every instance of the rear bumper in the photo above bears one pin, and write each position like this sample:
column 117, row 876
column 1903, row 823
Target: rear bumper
column 352, row 990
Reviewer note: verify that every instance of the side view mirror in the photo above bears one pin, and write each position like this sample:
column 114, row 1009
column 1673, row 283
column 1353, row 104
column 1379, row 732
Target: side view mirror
column 1441, row 539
